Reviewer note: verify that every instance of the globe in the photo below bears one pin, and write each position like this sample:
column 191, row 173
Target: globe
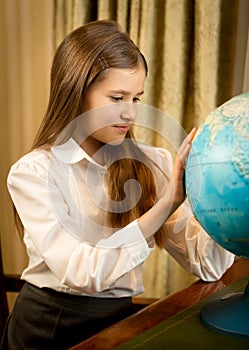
column 217, row 187
column 217, row 175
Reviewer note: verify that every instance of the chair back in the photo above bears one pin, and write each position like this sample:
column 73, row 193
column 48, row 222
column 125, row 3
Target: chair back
column 8, row 283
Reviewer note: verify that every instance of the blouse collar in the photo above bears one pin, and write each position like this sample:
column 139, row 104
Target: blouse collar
column 70, row 152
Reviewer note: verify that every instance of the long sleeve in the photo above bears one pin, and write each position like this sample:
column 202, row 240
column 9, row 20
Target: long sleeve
column 51, row 235
column 193, row 248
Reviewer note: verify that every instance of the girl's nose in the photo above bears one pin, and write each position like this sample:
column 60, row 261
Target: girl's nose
column 129, row 111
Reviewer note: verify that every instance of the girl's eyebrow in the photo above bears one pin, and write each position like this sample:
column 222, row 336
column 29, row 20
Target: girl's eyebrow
column 124, row 92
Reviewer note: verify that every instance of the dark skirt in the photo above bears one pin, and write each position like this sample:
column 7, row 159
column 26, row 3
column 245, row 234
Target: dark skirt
column 46, row 319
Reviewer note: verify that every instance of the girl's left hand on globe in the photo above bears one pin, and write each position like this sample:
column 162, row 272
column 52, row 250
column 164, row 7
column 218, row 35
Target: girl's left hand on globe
column 179, row 169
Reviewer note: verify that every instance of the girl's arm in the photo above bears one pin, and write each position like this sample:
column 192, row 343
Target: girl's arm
column 154, row 218
column 193, row 248
column 186, row 241
column 55, row 238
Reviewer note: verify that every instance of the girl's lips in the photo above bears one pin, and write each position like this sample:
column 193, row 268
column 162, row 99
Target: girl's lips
column 123, row 128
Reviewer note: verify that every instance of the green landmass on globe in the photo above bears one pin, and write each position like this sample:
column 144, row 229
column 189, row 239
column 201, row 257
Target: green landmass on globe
column 217, row 175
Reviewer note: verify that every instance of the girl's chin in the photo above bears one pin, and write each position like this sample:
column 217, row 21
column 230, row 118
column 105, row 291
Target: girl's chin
column 116, row 142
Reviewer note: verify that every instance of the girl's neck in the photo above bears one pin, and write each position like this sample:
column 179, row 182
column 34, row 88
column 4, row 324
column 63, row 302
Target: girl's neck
column 93, row 148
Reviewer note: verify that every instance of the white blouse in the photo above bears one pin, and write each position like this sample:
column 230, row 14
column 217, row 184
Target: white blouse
column 60, row 197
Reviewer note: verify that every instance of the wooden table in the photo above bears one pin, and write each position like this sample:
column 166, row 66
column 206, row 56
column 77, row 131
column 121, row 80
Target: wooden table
column 161, row 310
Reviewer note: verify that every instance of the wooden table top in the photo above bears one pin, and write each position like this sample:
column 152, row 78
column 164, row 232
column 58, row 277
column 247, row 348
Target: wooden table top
column 161, row 310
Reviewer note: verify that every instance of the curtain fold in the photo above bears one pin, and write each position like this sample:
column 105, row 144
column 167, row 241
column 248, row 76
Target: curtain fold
column 26, row 52
column 190, row 49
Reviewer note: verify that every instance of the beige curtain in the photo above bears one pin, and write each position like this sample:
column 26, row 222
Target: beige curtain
column 189, row 45
column 26, row 48
column 241, row 67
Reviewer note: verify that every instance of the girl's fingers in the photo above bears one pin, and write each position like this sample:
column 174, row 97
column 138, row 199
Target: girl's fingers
column 186, row 146
column 188, row 139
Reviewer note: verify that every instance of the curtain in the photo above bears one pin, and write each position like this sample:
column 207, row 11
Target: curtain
column 190, row 47
column 241, row 67
column 26, row 48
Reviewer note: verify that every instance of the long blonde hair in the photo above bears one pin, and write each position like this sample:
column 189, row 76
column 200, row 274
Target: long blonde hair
column 81, row 59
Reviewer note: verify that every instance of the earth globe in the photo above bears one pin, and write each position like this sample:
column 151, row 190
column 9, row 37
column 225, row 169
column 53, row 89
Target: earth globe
column 217, row 187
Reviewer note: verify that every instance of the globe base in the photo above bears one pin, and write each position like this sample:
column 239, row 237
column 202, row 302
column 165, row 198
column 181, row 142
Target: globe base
column 228, row 315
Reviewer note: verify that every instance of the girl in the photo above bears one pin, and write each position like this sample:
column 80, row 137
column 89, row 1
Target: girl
column 92, row 203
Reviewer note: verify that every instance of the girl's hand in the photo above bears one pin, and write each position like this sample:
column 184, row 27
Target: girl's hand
column 154, row 218
column 179, row 169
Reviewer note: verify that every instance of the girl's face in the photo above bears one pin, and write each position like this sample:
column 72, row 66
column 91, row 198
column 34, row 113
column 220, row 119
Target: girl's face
column 112, row 104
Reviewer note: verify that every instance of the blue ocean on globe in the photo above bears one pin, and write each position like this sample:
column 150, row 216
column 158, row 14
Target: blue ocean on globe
column 217, row 175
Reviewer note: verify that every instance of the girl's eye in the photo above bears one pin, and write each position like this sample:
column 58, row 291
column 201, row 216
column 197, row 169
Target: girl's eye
column 120, row 98
column 136, row 99
column 117, row 98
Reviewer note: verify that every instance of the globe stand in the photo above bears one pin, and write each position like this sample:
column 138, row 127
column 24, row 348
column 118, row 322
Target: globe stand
column 228, row 315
